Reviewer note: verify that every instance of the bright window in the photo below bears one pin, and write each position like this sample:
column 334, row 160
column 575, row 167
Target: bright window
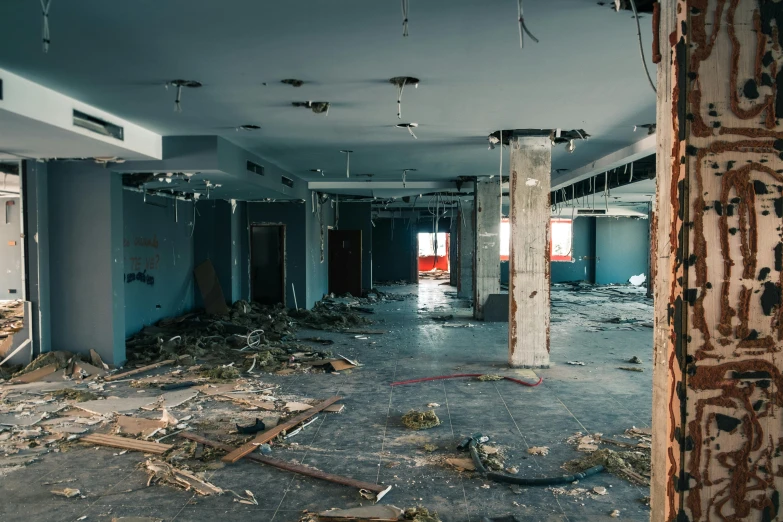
column 562, row 233
column 428, row 244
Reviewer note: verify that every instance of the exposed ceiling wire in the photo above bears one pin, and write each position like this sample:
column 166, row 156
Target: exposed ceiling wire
column 641, row 45
column 522, row 27
column 347, row 162
column 45, row 40
column 405, row 174
column 179, row 84
column 405, row 10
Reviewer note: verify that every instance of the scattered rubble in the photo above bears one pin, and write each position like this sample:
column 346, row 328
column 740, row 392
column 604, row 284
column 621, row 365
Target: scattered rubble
column 420, row 420
column 631, row 465
column 538, row 450
column 629, row 369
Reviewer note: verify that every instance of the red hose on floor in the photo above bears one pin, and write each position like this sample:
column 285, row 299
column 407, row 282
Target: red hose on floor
column 425, row 379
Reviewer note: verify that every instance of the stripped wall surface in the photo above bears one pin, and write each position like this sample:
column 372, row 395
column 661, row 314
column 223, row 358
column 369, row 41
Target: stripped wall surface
column 11, row 245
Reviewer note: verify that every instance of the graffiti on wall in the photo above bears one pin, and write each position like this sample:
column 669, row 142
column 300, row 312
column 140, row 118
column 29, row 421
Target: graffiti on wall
column 141, row 259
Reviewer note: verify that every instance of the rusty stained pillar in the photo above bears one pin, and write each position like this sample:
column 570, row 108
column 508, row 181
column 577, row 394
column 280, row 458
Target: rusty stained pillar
column 717, row 381
column 466, row 229
column 529, row 255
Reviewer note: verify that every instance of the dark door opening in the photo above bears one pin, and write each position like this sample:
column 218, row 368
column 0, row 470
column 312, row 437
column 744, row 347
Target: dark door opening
column 267, row 264
column 345, row 262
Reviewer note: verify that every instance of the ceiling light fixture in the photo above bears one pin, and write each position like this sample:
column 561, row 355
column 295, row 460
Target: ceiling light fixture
column 248, row 127
column 400, row 82
column 347, row 162
column 179, row 84
column 405, row 174
column 410, row 127
column 293, row 82
column 317, row 171
column 318, row 107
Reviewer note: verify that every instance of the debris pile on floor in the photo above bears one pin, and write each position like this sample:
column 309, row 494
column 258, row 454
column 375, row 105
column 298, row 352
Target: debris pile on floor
column 631, row 465
column 420, row 420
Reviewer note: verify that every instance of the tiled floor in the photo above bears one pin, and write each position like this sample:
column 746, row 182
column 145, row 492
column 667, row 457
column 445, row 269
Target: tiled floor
column 367, row 441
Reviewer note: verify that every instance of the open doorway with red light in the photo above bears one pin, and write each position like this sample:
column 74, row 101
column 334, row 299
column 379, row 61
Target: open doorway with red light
column 434, row 255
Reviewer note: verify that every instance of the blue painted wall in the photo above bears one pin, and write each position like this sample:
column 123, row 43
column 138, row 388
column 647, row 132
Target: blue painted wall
column 583, row 254
column 87, row 290
column 212, row 241
column 318, row 271
column 157, row 245
column 357, row 216
column 622, row 248
column 392, row 250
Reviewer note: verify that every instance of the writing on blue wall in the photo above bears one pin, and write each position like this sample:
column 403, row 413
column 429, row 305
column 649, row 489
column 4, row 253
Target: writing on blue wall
column 141, row 277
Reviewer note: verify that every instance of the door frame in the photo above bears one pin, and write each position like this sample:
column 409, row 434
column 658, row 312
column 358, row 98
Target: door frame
column 282, row 228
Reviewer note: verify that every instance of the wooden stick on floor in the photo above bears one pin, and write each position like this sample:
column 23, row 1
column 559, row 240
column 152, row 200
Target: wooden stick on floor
column 270, row 434
column 378, row 489
column 138, row 370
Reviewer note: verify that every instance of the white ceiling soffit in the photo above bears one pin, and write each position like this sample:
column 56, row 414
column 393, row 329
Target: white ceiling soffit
column 37, row 122
column 232, row 172
column 585, row 73
column 635, row 151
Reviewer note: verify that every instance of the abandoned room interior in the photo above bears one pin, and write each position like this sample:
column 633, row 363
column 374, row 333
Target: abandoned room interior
column 399, row 260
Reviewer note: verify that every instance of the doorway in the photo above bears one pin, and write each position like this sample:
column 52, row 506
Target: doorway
column 267, row 264
column 433, row 255
column 345, row 262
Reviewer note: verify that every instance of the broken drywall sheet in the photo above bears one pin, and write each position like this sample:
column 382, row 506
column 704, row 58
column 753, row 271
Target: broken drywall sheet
column 115, row 405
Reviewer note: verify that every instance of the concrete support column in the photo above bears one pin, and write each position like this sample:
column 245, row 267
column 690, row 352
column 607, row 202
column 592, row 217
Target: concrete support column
column 465, row 240
column 87, row 290
column 529, row 277
column 486, row 251
column 453, row 270
column 717, row 406
column 36, row 210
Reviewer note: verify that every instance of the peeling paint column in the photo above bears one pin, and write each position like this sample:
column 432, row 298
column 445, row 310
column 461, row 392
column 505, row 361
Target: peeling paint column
column 487, row 245
column 718, row 372
column 466, row 232
column 528, row 271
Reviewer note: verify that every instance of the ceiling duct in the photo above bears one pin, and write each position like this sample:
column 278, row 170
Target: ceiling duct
column 255, row 168
column 97, row 125
column 590, row 211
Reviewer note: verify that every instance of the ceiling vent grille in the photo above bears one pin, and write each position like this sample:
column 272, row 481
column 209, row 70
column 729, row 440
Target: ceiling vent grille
column 590, row 212
column 288, row 182
column 97, row 125
column 255, row 168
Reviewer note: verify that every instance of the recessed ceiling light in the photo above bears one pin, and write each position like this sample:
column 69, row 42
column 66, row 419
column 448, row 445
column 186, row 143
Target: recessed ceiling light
column 249, row 127
column 179, row 84
column 400, row 82
column 410, row 127
column 317, row 107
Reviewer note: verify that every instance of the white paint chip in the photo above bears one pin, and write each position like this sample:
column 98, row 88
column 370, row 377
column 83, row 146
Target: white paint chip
column 532, row 182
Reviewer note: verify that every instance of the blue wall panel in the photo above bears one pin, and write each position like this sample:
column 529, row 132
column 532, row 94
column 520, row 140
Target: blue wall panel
column 158, row 252
column 622, row 249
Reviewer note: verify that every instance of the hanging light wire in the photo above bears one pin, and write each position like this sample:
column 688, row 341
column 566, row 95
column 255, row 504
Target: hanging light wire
column 405, row 10
column 45, row 39
column 522, row 27
column 641, row 45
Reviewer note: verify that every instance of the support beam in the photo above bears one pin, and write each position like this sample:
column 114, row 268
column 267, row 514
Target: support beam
column 466, row 233
column 529, row 277
column 486, row 251
column 717, row 378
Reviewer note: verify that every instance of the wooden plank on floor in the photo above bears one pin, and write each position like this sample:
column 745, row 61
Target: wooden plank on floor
column 114, row 441
column 277, row 430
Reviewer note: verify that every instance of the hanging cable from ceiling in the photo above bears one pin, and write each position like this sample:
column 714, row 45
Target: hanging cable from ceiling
column 641, row 45
column 405, row 174
column 179, row 84
column 400, row 82
column 522, row 27
column 405, row 10
column 45, row 40
column 347, row 162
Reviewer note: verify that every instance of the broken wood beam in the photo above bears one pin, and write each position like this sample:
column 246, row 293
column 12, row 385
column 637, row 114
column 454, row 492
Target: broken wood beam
column 139, row 370
column 113, row 441
column 270, row 434
column 378, row 489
